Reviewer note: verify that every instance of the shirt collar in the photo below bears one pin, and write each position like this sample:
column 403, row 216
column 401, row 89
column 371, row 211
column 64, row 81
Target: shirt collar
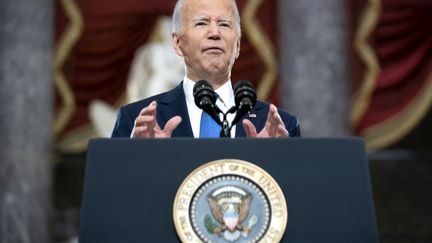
column 188, row 89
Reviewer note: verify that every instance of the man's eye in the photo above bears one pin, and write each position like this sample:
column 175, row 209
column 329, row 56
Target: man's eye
column 200, row 24
column 226, row 25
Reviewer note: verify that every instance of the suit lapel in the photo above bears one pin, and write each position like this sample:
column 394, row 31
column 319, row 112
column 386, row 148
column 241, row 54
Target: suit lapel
column 174, row 104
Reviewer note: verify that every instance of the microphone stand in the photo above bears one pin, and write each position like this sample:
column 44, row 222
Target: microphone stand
column 226, row 128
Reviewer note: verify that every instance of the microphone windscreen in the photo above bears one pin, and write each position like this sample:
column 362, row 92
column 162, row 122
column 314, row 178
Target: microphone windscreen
column 200, row 85
column 244, row 89
column 203, row 94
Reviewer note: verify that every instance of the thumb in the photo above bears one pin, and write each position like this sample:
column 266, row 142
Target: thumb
column 171, row 125
column 249, row 128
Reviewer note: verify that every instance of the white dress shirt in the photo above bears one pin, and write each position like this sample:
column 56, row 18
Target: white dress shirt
column 224, row 102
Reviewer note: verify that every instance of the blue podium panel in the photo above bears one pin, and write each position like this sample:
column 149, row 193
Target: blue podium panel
column 130, row 186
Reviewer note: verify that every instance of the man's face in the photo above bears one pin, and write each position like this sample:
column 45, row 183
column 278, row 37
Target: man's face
column 208, row 40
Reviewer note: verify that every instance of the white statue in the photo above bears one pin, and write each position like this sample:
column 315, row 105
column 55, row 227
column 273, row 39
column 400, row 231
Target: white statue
column 156, row 68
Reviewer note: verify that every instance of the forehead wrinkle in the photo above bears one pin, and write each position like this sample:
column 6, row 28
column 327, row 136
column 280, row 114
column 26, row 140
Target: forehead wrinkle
column 202, row 17
column 208, row 18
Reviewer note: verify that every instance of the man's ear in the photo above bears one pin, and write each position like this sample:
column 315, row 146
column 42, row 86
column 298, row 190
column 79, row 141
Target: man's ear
column 238, row 47
column 176, row 44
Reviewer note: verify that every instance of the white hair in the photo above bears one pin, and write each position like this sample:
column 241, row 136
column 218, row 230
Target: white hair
column 177, row 17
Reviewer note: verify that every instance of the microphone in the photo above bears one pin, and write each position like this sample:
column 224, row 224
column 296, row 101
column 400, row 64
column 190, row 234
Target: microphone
column 205, row 98
column 245, row 99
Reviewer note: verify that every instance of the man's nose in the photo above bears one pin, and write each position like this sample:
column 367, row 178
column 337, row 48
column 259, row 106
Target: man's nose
column 214, row 31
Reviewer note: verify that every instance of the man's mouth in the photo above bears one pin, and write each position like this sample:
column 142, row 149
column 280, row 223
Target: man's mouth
column 213, row 50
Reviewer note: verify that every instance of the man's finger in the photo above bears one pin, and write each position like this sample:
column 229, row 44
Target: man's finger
column 139, row 132
column 282, row 131
column 150, row 109
column 144, row 120
column 276, row 122
column 273, row 115
column 278, row 126
column 145, row 123
column 171, row 125
column 249, row 128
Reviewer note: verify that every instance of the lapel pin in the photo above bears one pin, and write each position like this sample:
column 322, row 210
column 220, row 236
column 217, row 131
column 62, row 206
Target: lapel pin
column 252, row 115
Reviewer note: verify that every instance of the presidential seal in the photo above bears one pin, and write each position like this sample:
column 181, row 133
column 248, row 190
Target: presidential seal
column 230, row 201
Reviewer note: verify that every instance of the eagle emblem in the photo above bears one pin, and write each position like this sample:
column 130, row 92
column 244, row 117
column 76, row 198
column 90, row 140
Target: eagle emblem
column 229, row 206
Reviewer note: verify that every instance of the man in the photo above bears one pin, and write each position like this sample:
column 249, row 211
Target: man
column 206, row 33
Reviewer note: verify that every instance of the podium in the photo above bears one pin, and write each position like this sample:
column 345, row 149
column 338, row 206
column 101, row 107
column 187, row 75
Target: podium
column 130, row 186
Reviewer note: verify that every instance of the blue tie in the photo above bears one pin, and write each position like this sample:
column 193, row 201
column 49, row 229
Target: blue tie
column 208, row 127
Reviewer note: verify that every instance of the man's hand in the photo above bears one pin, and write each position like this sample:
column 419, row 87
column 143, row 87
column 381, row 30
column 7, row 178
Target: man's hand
column 146, row 125
column 274, row 126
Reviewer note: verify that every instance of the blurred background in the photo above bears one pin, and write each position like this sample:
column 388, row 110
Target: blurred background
column 345, row 68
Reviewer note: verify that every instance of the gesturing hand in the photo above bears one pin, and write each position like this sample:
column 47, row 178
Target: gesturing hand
column 146, row 125
column 274, row 126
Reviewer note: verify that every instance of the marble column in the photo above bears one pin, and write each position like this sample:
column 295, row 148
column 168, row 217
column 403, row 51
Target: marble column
column 313, row 62
column 26, row 38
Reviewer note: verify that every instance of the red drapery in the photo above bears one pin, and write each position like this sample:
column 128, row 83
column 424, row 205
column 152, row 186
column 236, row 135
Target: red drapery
column 392, row 79
column 107, row 34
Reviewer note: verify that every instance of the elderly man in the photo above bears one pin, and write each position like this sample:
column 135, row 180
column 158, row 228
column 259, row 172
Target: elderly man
column 206, row 33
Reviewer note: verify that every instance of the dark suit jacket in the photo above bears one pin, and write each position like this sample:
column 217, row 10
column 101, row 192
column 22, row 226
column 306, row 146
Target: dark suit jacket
column 173, row 103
